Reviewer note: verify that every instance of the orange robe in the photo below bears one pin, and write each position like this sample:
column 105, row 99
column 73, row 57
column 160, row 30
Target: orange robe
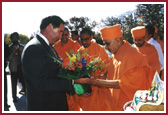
column 152, row 57
column 161, row 42
column 131, row 68
column 61, row 50
column 100, row 98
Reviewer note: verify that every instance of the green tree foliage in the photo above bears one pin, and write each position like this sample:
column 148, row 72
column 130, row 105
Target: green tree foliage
column 152, row 14
column 76, row 23
column 127, row 20
column 22, row 38
column 109, row 21
column 98, row 39
column 145, row 14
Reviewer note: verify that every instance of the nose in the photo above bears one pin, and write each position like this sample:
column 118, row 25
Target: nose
column 84, row 41
column 60, row 36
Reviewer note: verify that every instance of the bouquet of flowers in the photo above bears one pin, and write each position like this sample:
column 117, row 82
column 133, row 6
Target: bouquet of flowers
column 79, row 65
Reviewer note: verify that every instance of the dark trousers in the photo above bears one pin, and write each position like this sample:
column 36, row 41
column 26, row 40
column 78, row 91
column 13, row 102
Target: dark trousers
column 5, row 89
column 14, row 78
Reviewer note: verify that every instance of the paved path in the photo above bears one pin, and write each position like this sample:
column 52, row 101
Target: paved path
column 20, row 105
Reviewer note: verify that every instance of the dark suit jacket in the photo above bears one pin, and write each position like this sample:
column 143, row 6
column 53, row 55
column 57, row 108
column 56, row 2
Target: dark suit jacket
column 45, row 91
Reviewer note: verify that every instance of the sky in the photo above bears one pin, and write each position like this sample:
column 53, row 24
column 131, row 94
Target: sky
column 25, row 17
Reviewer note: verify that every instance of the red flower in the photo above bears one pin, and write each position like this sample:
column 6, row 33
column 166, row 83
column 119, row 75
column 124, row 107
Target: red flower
column 79, row 65
column 72, row 67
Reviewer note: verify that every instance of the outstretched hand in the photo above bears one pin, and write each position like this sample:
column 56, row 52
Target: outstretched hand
column 83, row 81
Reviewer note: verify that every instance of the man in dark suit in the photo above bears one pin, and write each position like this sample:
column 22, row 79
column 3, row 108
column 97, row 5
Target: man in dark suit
column 44, row 90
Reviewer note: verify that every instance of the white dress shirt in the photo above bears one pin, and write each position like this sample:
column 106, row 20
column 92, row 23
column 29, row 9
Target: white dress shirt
column 159, row 50
column 44, row 38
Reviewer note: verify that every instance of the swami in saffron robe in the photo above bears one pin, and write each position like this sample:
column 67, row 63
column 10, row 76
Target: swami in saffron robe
column 152, row 57
column 61, row 50
column 131, row 68
column 100, row 98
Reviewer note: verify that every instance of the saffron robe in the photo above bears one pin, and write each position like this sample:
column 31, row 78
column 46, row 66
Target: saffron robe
column 161, row 42
column 152, row 57
column 131, row 68
column 61, row 50
column 100, row 98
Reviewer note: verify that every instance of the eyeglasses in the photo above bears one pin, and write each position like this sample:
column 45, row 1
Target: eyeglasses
column 86, row 39
column 107, row 43
column 65, row 34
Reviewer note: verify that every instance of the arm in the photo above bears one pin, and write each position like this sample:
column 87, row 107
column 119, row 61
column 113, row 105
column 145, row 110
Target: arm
column 99, row 82
column 102, row 76
column 106, row 83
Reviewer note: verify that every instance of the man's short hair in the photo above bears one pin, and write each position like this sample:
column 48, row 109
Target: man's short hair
column 75, row 32
column 54, row 20
column 150, row 29
column 66, row 28
column 14, row 34
column 86, row 30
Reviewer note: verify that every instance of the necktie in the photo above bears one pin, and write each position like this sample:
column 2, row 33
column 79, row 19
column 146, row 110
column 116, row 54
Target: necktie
column 53, row 50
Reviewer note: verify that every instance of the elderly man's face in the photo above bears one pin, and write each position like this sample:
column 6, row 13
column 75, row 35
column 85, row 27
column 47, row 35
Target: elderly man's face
column 111, row 45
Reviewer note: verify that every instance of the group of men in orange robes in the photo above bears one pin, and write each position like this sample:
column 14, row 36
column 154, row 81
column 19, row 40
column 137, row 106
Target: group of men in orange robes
column 130, row 68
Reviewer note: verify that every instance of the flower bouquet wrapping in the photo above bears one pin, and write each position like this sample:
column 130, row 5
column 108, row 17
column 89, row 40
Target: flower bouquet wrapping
column 79, row 65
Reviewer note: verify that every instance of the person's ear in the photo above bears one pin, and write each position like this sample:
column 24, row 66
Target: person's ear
column 49, row 27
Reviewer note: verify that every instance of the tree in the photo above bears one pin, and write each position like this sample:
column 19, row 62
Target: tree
column 127, row 20
column 98, row 39
column 144, row 14
column 152, row 14
column 76, row 23
column 110, row 21
column 22, row 38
